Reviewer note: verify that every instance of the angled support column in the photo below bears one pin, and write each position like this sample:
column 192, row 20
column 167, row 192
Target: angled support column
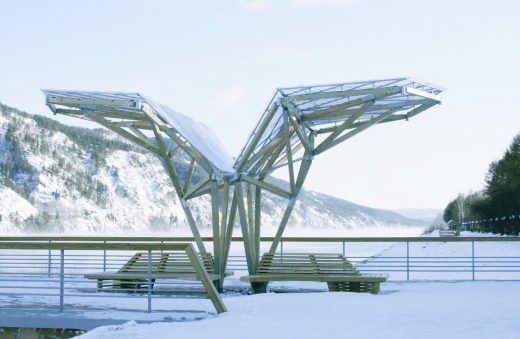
column 230, row 226
column 223, row 228
column 250, row 220
column 178, row 188
column 217, row 254
column 302, row 174
column 245, row 228
column 258, row 214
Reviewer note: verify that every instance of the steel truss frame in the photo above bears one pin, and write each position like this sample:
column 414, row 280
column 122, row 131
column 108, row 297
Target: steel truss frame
column 298, row 124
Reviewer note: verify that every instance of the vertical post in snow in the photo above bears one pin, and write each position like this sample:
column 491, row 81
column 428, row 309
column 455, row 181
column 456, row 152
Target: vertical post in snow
column 343, row 247
column 50, row 260
column 281, row 248
column 407, row 260
column 105, row 257
column 149, row 280
column 473, row 260
column 62, row 278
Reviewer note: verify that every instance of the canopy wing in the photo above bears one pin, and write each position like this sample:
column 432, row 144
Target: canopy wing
column 129, row 106
column 334, row 112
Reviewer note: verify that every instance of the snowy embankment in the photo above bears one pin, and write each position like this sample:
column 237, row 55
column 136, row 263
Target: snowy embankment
column 419, row 309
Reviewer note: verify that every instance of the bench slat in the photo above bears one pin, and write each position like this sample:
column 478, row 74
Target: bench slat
column 313, row 277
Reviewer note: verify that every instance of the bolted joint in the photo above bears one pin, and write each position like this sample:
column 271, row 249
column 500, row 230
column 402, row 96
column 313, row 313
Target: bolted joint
column 219, row 177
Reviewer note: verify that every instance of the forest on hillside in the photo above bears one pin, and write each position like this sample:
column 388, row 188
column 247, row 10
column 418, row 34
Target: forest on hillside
column 496, row 208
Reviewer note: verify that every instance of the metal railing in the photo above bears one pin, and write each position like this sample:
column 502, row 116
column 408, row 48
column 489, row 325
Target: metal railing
column 407, row 261
column 52, row 269
column 506, row 224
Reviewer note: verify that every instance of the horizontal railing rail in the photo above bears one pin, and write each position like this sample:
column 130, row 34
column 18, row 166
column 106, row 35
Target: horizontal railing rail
column 263, row 239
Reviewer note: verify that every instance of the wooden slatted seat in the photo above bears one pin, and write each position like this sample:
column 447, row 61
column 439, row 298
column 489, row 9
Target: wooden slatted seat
column 166, row 265
column 334, row 269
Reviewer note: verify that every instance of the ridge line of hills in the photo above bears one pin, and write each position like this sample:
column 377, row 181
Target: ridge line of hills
column 58, row 178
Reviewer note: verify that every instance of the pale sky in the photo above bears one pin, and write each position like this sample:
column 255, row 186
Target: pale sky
column 221, row 61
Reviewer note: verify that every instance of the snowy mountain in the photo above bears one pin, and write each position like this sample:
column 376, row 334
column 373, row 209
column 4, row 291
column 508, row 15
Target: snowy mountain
column 60, row 179
column 426, row 214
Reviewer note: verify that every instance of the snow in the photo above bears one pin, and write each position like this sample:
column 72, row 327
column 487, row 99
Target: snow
column 13, row 210
column 415, row 309
column 410, row 310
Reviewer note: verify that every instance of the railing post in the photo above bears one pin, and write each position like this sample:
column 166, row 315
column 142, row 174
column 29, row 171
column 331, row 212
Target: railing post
column 149, row 281
column 49, row 262
column 407, row 260
column 473, row 260
column 343, row 248
column 62, row 278
column 105, row 257
column 281, row 248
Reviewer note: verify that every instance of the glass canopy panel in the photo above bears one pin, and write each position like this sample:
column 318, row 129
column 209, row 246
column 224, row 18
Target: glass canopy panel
column 312, row 99
column 199, row 135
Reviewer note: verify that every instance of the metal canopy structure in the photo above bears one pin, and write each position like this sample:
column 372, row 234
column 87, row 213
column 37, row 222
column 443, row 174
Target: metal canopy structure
column 298, row 124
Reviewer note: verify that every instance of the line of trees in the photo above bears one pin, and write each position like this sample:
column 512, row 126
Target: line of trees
column 496, row 208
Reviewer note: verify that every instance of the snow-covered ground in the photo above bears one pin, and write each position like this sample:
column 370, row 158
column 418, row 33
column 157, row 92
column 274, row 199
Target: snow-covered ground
column 432, row 305
column 402, row 310
column 418, row 309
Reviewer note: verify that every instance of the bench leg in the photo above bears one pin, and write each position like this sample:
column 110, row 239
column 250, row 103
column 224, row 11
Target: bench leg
column 99, row 285
column 342, row 286
column 374, row 289
column 354, row 286
column 259, row 287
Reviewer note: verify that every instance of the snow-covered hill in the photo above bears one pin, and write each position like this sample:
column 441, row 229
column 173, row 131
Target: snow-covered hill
column 426, row 214
column 56, row 178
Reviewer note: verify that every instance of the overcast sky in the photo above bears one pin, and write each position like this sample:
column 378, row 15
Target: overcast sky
column 220, row 62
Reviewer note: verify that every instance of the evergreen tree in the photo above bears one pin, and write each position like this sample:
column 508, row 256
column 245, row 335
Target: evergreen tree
column 500, row 199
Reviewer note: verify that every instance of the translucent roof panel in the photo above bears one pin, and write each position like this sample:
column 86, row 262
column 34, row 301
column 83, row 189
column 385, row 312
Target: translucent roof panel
column 333, row 103
column 317, row 107
column 199, row 135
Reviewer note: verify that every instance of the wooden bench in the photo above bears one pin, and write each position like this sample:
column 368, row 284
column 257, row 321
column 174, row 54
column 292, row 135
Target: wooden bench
column 334, row 269
column 133, row 276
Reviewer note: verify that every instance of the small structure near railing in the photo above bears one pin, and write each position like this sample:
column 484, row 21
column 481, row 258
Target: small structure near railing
column 448, row 233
